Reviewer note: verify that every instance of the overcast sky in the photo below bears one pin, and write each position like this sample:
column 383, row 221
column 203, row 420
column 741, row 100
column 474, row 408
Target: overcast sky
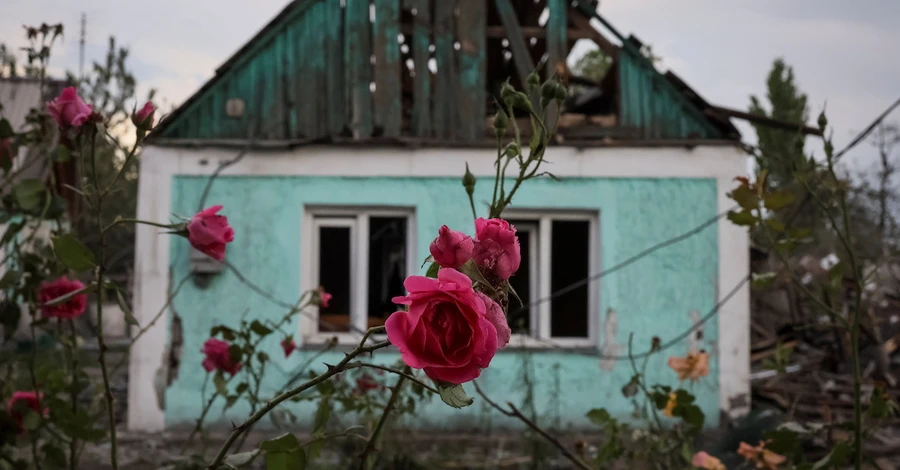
column 843, row 53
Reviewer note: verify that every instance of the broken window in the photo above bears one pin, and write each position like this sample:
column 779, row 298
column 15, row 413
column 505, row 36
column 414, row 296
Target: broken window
column 557, row 302
column 361, row 257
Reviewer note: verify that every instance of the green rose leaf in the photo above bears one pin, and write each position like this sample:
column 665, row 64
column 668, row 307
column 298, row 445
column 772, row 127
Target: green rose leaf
column 6, row 129
column 259, row 328
column 29, row 194
column 600, row 417
column 778, row 199
column 454, row 395
column 744, row 218
column 433, row 270
column 73, row 253
column 283, row 443
column 220, row 383
column 239, row 460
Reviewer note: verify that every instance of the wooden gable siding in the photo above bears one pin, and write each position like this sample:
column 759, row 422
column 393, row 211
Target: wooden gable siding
column 312, row 75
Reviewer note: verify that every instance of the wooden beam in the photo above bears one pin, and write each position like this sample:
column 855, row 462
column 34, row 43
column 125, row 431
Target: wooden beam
column 583, row 25
column 513, row 32
column 388, row 112
column 764, row 120
column 358, row 49
column 444, row 118
column 470, row 27
column 421, row 114
column 334, row 48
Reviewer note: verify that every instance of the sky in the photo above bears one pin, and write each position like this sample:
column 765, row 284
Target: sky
column 844, row 54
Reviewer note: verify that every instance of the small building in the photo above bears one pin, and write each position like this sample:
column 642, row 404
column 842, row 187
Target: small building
column 336, row 138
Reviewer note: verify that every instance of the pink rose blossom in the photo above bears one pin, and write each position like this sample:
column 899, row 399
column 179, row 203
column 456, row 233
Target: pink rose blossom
column 324, row 297
column 288, row 345
column 451, row 249
column 71, row 308
column 209, row 232
column 445, row 331
column 496, row 248
column 494, row 314
column 21, row 400
column 143, row 118
column 218, row 357
column 68, row 109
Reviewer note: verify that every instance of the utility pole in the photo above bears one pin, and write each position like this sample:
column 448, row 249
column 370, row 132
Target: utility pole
column 81, row 46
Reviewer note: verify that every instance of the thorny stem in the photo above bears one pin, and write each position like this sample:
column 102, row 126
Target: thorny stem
column 73, row 446
column 34, row 386
column 254, row 402
column 271, row 404
column 514, row 412
column 134, row 221
column 101, row 253
column 199, row 424
column 640, row 381
column 855, row 327
column 401, row 373
column 392, row 401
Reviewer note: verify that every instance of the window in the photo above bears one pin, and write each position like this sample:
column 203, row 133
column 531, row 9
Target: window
column 559, row 251
column 361, row 257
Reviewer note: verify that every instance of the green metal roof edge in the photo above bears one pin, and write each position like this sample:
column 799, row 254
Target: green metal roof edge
column 285, row 16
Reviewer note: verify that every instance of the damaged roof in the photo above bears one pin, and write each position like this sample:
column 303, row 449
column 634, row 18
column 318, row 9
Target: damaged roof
column 419, row 69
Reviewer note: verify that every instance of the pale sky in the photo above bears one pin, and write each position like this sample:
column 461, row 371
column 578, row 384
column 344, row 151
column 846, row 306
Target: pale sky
column 844, row 53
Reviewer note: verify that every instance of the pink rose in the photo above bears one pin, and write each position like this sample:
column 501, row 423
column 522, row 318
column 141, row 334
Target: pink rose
column 494, row 314
column 22, row 400
column 143, row 118
column 445, row 331
column 496, row 248
column 68, row 110
column 218, row 357
column 71, row 308
column 209, row 232
column 451, row 249
column 288, row 345
column 324, row 297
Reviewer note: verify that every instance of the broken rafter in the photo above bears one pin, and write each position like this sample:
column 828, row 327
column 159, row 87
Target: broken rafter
column 763, row 120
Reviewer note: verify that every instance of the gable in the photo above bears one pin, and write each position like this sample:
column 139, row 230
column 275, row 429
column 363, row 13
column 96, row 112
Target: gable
column 323, row 71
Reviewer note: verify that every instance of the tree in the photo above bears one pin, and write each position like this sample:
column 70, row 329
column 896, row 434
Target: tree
column 780, row 151
column 593, row 65
column 111, row 86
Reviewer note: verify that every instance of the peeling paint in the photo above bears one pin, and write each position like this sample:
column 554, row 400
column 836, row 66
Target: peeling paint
column 610, row 347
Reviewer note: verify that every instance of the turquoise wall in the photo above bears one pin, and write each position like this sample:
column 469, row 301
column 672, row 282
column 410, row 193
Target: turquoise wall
column 652, row 297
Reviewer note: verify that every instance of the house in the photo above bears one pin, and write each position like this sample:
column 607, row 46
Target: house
column 336, row 139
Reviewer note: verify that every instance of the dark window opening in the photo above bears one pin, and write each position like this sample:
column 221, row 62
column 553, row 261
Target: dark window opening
column 519, row 316
column 387, row 266
column 569, row 255
column 334, row 276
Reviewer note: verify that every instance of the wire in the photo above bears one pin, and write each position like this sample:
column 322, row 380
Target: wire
column 862, row 135
column 593, row 277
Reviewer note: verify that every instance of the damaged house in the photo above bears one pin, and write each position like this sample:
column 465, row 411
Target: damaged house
column 336, row 138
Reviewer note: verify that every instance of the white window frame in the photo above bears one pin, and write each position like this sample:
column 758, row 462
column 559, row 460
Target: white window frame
column 541, row 288
column 357, row 219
